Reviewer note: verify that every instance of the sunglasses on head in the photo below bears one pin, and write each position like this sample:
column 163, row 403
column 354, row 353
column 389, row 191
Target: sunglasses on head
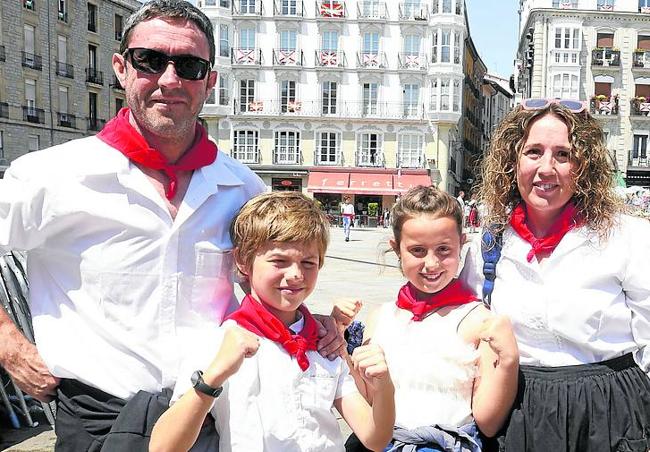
column 575, row 106
column 151, row 61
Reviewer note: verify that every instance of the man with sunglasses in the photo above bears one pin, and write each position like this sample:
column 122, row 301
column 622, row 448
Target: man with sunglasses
column 127, row 238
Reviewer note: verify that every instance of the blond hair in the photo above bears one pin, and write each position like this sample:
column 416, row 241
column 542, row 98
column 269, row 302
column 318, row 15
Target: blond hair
column 423, row 200
column 278, row 217
column 593, row 180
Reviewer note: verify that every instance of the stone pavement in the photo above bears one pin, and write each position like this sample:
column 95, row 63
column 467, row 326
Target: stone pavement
column 358, row 269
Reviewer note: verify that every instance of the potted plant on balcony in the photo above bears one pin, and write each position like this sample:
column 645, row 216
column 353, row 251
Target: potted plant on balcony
column 373, row 210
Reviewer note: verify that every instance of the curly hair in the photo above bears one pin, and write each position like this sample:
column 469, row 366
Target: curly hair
column 593, row 181
column 279, row 217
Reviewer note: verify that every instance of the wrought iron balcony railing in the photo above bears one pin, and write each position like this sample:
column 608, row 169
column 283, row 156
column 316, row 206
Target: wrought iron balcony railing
column 66, row 120
column 64, row 69
column 94, row 76
column 603, row 105
column 372, row 10
column 605, row 57
column 33, row 114
column 32, row 61
column 248, row 57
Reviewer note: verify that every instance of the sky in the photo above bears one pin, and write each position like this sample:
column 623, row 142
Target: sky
column 493, row 27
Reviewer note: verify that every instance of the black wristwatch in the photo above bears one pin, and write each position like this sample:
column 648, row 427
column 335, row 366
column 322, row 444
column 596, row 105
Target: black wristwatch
column 201, row 386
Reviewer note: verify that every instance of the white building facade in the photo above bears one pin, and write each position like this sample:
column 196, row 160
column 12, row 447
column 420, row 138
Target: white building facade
column 340, row 98
column 597, row 51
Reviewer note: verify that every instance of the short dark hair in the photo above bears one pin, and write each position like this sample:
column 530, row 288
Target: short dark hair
column 169, row 9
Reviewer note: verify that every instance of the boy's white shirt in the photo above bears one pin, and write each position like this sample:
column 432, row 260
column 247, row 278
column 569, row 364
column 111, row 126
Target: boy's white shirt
column 286, row 410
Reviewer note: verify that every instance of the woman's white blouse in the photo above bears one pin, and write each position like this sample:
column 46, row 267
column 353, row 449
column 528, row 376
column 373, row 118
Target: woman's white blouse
column 589, row 301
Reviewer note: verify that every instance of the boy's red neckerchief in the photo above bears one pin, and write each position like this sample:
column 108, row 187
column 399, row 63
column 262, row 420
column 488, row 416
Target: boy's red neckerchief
column 454, row 294
column 253, row 316
column 121, row 135
column 567, row 220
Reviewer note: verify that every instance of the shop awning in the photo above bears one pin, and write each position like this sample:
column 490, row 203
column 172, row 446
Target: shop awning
column 404, row 182
column 369, row 183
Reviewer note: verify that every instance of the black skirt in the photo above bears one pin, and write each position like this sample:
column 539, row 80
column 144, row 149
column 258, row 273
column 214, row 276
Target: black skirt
column 600, row 407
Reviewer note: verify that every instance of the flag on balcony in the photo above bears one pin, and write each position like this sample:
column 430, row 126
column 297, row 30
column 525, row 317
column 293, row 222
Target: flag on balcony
column 412, row 61
column 287, row 57
column 294, row 106
column 370, row 59
column 256, row 105
column 605, row 107
column 331, row 9
column 329, row 57
column 645, row 9
column 644, row 107
column 566, row 5
column 245, row 56
column 606, row 8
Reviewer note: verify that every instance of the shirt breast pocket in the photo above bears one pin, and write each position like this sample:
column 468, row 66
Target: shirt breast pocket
column 212, row 281
column 319, row 390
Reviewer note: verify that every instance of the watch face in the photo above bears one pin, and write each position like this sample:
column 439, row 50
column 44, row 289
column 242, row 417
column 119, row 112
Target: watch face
column 196, row 377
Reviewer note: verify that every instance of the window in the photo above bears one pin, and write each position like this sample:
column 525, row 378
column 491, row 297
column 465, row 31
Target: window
column 33, row 143
column 411, row 96
column 412, row 45
column 289, row 7
column 371, row 43
column 62, row 49
column 369, row 149
column 434, row 47
column 444, row 48
column 287, row 95
column 434, row 94
column 224, row 91
column 444, row 94
column 244, row 146
column 29, row 4
column 370, row 91
column 224, row 40
column 92, row 107
column 412, row 8
column 603, row 88
column 287, row 148
column 605, row 40
column 644, row 4
column 329, row 98
column 119, row 27
column 246, row 94
column 567, row 38
column 370, row 8
column 459, row 7
column 92, row 17
column 62, row 10
column 247, row 6
column 287, row 40
column 640, row 147
column 446, row 6
column 2, row 145
column 330, row 40
column 410, row 150
column 247, row 38
column 63, row 99
column 29, row 34
column 456, row 47
column 456, row 95
column 30, row 96
column 565, row 86
column 328, row 149
column 224, row 3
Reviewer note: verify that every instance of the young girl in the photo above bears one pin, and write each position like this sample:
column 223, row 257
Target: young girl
column 267, row 387
column 454, row 365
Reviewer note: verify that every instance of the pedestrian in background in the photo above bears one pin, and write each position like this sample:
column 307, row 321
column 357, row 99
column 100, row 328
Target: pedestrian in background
column 347, row 211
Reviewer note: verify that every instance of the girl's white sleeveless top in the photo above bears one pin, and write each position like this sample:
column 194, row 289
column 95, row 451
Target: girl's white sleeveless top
column 432, row 368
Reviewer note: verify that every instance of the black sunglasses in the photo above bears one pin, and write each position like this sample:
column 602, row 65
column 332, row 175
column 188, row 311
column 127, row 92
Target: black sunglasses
column 151, row 61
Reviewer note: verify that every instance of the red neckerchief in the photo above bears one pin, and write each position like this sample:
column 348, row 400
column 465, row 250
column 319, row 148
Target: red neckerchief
column 253, row 316
column 121, row 135
column 454, row 294
column 567, row 220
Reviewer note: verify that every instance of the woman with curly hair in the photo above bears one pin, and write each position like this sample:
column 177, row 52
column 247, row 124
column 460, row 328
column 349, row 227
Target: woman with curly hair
column 574, row 278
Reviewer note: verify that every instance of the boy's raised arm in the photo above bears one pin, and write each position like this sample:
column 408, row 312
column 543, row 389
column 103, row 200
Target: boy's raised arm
column 179, row 427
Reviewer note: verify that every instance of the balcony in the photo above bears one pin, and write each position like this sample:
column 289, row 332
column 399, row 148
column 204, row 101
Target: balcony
column 247, row 9
column 330, row 59
column 605, row 57
column 330, row 10
column 638, row 158
column 410, row 161
column 412, row 62
column 64, row 69
column 411, row 13
column 324, row 158
column 372, row 11
column 63, row 16
column 66, row 120
column 95, row 124
column 369, row 158
column 288, row 9
column 341, row 109
column 3, row 54
column 249, row 156
column 641, row 59
column 287, row 157
column 32, row 61
column 33, row 114
column 640, row 107
column 94, row 76
column 644, row 9
column 116, row 84
column 605, row 7
column 288, row 58
column 4, row 110
column 371, row 61
column 246, row 57
column 602, row 105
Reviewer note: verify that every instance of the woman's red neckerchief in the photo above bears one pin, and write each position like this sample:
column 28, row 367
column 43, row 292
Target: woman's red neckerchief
column 567, row 220
column 253, row 316
column 121, row 135
column 454, row 294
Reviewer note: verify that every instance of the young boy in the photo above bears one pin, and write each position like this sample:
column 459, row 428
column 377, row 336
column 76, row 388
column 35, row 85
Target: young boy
column 268, row 388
